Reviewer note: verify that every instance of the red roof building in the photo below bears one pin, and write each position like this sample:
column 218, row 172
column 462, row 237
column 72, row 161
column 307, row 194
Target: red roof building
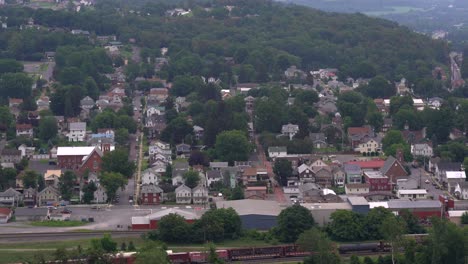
column 376, row 164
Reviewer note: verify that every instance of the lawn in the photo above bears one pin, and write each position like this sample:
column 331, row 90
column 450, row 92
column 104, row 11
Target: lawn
column 58, row 223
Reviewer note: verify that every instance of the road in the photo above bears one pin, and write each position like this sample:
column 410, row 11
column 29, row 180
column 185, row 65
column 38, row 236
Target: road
column 420, row 175
column 456, row 76
column 136, row 54
column 61, row 236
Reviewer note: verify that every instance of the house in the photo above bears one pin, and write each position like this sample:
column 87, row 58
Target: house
column 87, row 103
column 183, row 150
column 158, row 94
column 76, row 132
column 369, row 146
column 160, row 147
column 100, row 195
column 183, row 194
column 249, row 104
column 23, row 214
column 52, row 178
column 29, row 197
column 358, row 135
column 435, row 102
column 48, row 196
column 421, row 150
column 413, row 136
column 256, row 192
column 357, row 188
column 14, row 102
column 155, row 124
column 213, row 176
column 381, row 107
column 461, row 190
column 43, row 103
column 323, row 176
column 218, row 165
column 252, row 175
column 443, row 166
column 452, row 178
column 318, row 140
column 178, row 171
column 5, row 215
column 275, row 152
column 200, row 194
column 305, row 174
column 80, row 159
column 198, row 131
column 26, row 152
column 387, row 124
column 412, row 194
column 294, row 72
column 151, row 194
column 393, row 169
column 401, row 87
column 10, row 197
column 25, row 130
column 339, row 176
column 353, row 173
column 10, row 156
column 149, row 177
column 377, row 181
column 289, row 130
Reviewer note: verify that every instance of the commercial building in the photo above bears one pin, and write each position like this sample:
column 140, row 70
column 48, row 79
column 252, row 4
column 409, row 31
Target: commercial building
column 151, row 221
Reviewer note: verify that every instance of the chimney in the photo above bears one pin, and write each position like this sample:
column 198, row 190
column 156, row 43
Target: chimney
column 400, row 156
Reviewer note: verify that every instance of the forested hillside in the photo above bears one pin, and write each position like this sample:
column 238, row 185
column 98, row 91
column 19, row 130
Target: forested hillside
column 263, row 37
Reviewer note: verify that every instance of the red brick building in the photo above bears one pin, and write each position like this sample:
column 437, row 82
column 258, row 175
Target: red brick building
column 394, row 169
column 151, row 194
column 151, row 221
column 377, row 181
column 80, row 159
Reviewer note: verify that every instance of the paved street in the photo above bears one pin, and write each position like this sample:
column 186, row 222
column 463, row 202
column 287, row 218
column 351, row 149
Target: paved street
column 420, row 175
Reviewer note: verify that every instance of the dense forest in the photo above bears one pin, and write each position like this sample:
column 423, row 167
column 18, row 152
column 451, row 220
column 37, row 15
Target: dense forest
column 263, row 37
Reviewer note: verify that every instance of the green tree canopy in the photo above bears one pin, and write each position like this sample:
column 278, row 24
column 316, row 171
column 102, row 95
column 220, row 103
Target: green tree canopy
column 112, row 181
column 292, row 221
column 174, row 229
column 47, row 128
column 283, row 170
column 66, row 184
column 191, row 178
column 117, row 161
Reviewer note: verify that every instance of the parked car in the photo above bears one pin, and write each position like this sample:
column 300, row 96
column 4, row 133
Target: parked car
column 66, row 211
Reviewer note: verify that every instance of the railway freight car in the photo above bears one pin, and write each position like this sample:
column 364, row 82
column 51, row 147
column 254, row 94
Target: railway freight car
column 372, row 247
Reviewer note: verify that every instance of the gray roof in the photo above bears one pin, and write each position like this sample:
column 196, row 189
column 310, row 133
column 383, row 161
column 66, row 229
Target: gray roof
column 10, row 192
column 308, row 187
column 449, row 166
column 277, row 149
column 78, row 126
column 252, row 207
column 181, row 165
column 388, row 164
column 11, row 152
column 357, row 200
column 352, row 168
column 214, row 174
column 219, row 164
column 318, row 137
column 150, row 188
column 22, row 211
column 183, row 187
column 407, row 204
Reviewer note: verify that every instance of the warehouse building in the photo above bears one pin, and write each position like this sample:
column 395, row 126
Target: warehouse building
column 322, row 211
column 151, row 221
column 255, row 214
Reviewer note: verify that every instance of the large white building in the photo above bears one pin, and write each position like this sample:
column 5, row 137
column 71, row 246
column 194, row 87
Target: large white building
column 77, row 132
column 421, row 150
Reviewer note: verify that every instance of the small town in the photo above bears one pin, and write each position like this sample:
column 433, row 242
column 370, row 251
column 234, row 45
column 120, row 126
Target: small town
column 144, row 149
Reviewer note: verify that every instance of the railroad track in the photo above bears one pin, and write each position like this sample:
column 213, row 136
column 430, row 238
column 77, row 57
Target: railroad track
column 60, row 235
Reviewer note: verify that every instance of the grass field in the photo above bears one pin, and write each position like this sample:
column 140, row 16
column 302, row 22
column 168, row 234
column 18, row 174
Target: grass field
column 58, row 223
column 394, row 10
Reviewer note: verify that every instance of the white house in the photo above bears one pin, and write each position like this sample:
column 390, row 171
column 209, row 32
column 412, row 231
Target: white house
column 289, row 130
column 149, row 177
column 200, row 194
column 453, row 178
column 160, row 147
column 77, row 131
column 275, row 152
column 422, row 150
column 369, row 146
column 412, row 194
column 461, row 190
column 213, row 176
column 183, row 194
column 357, row 188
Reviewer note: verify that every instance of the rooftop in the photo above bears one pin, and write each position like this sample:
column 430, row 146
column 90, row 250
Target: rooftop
column 357, row 200
column 327, row 206
column 457, row 213
column 455, row 175
column 74, row 151
column 251, row 207
column 407, row 204
column 78, row 126
column 417, row 191
column 374, row 174
column 369, row 164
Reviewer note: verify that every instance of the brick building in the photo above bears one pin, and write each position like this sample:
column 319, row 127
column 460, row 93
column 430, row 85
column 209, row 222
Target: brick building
column 377, row 181
column 80, row 159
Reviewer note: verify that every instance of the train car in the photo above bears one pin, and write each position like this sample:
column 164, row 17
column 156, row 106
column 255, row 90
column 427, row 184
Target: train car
column 223, row 254
column 294, row 251
column 181, row 257
column 347, row 248
column 124, row 258
column 268, row 252
column 240, row 253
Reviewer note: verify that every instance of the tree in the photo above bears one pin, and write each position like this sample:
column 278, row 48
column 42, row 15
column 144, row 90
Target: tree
column 292, row 221
column 374, row 220
column 237, row 193
column 375, row 119
column 108, row 244
column 198, row 158
column 6, row 118
column 346, row 226
column 269, row 116
column 88, row 192
column 392, row 137
column 15, row 85
column 131, row 247
column 173, row 229
column 392, row 229
column 354, row 260
column 112, row 181
column 411, row 221
column 7, row 178
column 123, row 247
column 176, row 130
column 47, row 128
column 183, row 85
column 283, row 170
column 464, row 218
column 117, row 161
column 121, row 136
column 152, row 252
column 66, row 184
column 232, row 146
column 191, row 178
column 30, row 179
column 313, row 240
column 9, row 65
column 213, row 255
column 378, row 87
column 92, row 90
